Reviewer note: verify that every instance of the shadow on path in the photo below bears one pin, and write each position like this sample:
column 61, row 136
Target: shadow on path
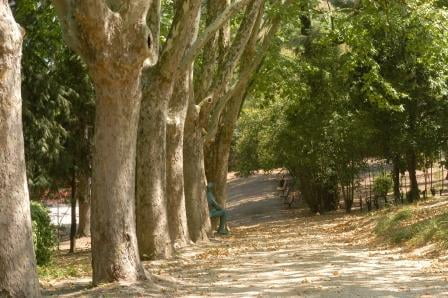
column 277, row 251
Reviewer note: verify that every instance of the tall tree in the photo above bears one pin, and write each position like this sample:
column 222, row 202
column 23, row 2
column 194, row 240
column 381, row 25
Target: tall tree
column 18, row 277
column 177, row 56
column 113, row 39
column 199, row 108
column 152, row 220
column 221, row 124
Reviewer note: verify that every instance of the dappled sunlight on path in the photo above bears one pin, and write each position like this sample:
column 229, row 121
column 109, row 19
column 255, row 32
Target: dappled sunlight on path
column 276, row 251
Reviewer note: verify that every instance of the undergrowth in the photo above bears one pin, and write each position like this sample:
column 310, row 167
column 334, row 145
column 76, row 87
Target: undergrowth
column 66, row 266
column 408, row 226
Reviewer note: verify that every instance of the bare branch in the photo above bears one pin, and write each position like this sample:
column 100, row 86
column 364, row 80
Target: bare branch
column 246, row 74
column 64, row 11
column 231, row 58
column 180, row 36
column 191, row 54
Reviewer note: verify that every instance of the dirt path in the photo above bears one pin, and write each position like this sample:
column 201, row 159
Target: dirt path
column 276, row 251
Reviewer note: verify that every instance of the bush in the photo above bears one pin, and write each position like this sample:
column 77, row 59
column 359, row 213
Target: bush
column 44, row 238
column 382, row 185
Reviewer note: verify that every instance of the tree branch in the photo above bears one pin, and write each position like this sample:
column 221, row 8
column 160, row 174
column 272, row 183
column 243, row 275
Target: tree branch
column 90, row 27
column 245, row 75
column 231, row 58
column 186, row 14
column 208, row 33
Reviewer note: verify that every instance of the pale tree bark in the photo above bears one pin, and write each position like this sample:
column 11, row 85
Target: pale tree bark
column 177, row 215
column 152, row 214
column 214, row 59
column 209, row 33
column 152, row 225
column 84, row 199
column 192, row 170
column 176, row 59
column 226, row 112
column 217, row 161
column 212, row 50
column 114, row 41
column 18, row 277
column 229, row 59
column 177, row 114
column 194, row 175
column 217, row 149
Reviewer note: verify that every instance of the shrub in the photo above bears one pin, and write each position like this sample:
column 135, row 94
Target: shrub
column 44, row 238
column 382, row 185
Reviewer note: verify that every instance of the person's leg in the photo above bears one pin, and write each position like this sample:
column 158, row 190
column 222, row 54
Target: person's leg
column 222, row 223
column 222, row 214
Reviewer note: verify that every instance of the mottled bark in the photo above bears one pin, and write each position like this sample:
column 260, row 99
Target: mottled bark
column 114, row 243
column 152, row 218
column 217, row 158
column 221, row 123
column 213, row 50
column 84, row 199
column 194, row 176
column 209, row 33
column 230, row 58
column 114, row 41
column 177, row 216
column 18, row 277
column 177, row 114
column 217, row 149
column 176, row 58
column 152, row 223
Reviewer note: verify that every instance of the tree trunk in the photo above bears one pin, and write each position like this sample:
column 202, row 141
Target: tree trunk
column 152, row 220
column 73, row 212
column 217, row 166
column 115, row 253
column 194, row 177
column 152, row 224
column 425, row 173
column 412, row 168
column 396, row 179
column 431, row 186
column 177, row 216
column 217, row 163
column 114, row 45
column 83, row 194
column 18, row 277
column 217, row 152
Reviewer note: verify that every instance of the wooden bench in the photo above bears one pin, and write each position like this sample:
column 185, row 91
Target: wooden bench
column 284, row 193
column 292, row 197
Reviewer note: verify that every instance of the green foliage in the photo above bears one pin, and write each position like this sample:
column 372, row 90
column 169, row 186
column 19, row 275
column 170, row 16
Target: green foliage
column 396, row 63
column 300, row 119
column 44, row 238
column 58, row 105
column 64, row 269
column 382, row 185
column 405, row 226
column 365, row 80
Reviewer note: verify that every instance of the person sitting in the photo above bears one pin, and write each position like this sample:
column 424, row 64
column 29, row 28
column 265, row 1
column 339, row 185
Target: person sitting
column 216, row 210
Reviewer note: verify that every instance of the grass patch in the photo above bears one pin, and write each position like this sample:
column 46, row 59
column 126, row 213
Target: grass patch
column 65, row 266
column 412, row 227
